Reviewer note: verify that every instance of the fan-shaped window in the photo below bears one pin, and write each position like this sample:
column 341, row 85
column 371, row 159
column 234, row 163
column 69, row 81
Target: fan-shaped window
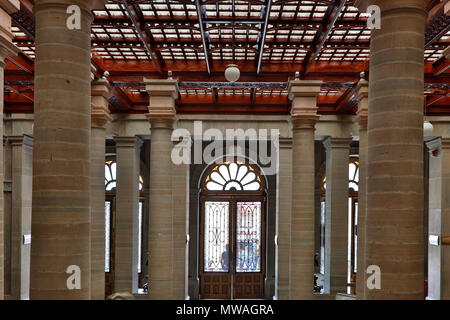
column 110, row 176
column 353, row 176
column 233, row 176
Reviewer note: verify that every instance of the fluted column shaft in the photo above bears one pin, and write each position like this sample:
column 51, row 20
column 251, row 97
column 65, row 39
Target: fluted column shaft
column 336, row 220
column 304, row 118
column 100, row 92
column 161, row 221
column 127, row 214
column 394, row 221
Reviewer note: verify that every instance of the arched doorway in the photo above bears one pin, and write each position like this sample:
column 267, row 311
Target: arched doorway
column 232, row 239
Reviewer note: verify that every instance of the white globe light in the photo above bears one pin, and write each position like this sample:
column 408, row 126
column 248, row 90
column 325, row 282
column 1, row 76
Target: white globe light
column 232, row 73
column 427, row 127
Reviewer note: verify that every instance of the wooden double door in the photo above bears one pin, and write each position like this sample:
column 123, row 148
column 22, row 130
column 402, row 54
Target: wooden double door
column 232, row 247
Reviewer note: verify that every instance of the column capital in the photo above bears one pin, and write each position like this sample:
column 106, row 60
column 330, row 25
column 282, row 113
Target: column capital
column 446, row 53
column 128, row 142
column 305, row 120
column 162, row 87
column 389, row 5
column 162, row 93
column 304, row 88
column 303, row 94
column 446, row 8
column 437, row 144
column 10, row 6
column 7, row 48
column 25, row 140
column 362, row 95
column 101, row 91
column 336, row 143
column 98, row 4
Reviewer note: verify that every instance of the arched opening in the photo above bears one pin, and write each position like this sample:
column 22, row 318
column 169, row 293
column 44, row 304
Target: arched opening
column 232, row 239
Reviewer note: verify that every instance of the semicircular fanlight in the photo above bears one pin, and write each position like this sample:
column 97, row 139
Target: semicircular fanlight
column 233, row 177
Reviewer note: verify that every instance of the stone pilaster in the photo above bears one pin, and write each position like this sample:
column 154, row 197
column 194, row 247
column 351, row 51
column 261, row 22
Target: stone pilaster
column 61, row 159
column 161, row 221
column 303, row 117
column 101, row 91
column 284, row 219
column 22, row 177
column 362, row 94
column 394, row 206
column 438, row 220
column 127, row 214
column 336, row 218
column 7, row 48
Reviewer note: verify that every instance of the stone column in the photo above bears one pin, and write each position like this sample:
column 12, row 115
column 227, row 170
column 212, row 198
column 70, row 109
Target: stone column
column 127, row 214
column 22, row 177
column 61, row 171
column 336, row 218
column 394, row 207
column 7, row 48
column 161, row 237
column 101, row 91
column 303, row 117
column 362, row 94
column 439, row 219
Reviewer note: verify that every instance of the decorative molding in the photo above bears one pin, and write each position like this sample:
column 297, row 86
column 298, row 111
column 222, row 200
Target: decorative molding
column 336, row 143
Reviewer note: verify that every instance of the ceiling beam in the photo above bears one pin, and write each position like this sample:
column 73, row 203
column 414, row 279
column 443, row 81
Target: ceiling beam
column 329, row 21
column 133, row 15
column 441, row 66
column 437, row 26
column 208, row 58
column 262, row 34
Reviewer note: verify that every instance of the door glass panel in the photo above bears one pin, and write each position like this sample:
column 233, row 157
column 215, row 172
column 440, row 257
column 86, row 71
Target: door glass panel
column 248, row 237
column 216, row 237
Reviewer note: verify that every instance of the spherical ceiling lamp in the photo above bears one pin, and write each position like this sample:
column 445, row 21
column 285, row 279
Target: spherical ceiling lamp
column 232, row 73
column 427, row 127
